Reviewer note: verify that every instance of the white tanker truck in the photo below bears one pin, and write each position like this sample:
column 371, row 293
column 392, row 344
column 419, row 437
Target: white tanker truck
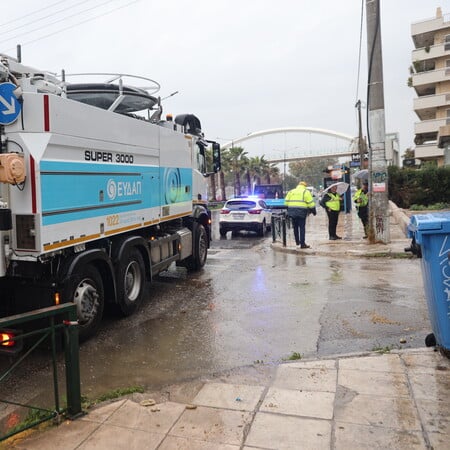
column 98, row 194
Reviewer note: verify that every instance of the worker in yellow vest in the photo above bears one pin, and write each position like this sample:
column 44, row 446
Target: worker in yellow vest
column 300, row 204
column 361, row 198
column 331, row 201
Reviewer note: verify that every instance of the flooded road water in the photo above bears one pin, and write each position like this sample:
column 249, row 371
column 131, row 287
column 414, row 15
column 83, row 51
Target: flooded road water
column 253, row 305
column 249, row 305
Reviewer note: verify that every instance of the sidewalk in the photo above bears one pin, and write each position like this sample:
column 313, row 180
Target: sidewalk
column 391, row 401
column 397, row 400
column 351, row 231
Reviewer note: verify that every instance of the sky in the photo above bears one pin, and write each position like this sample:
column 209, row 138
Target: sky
column 239, row 66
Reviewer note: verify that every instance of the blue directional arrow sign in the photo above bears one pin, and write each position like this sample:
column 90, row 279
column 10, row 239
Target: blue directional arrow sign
column 9, row 105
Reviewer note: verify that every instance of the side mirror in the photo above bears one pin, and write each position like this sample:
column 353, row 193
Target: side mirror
column 216, row 157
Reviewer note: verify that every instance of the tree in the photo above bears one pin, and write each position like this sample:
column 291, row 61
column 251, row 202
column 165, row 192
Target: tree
column 409, row 154
column 225, row 169
column 310, row 170
column 237, row 156
column 272, row 174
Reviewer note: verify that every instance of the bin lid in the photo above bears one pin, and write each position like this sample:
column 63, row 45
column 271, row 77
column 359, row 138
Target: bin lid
column 439, row 222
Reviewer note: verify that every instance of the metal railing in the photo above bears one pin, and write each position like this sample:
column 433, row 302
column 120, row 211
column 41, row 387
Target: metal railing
column 280, row 221
column 60, row 318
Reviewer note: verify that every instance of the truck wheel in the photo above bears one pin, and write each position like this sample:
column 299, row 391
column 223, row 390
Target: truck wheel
column 199, row 248
column 130, row 276
column 85, row 289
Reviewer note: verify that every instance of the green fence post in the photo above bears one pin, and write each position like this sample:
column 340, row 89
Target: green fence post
column 72, row 365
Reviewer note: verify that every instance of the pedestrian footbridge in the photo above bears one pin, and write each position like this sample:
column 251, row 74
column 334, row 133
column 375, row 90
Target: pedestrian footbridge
column 288, row 144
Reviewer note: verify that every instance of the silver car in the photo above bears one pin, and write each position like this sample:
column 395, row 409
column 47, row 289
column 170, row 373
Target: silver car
column 251, row 214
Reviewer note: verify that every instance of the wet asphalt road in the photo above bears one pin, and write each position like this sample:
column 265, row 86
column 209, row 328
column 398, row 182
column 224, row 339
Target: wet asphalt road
column 249, row 305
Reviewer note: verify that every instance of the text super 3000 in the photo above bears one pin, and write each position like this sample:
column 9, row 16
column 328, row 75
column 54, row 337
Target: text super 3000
column 91, row 155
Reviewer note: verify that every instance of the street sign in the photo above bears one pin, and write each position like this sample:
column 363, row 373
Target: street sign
column 9, row 105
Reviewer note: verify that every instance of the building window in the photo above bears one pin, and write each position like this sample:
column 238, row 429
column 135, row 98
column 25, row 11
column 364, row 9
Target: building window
column 448, row 117
column 447, row 43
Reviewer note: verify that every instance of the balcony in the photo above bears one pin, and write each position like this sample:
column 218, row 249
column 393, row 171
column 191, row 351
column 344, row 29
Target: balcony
column 435, row 51
column 427, row 151
column 423, row 32
column 429, row 126
column 430, row 78
column 425, row 107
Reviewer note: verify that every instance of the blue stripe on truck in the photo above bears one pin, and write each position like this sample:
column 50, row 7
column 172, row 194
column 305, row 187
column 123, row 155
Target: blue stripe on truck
column 74, row 190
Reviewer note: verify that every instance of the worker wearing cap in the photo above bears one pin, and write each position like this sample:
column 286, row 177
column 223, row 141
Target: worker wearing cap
column 300, row 203
column 361, row 198
column 331, row 201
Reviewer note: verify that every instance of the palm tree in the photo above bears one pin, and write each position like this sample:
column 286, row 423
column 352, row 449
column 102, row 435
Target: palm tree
column 226, row 168
column 272, row 172
column 237, row 155
column 213, row 187
column 260, row 167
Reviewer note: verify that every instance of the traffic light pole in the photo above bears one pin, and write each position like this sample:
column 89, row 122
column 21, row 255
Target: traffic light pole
column 379, row 230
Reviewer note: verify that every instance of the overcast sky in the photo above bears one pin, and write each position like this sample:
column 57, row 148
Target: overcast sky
column 240, row 66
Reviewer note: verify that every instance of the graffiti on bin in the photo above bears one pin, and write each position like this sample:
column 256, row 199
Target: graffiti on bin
column 444, row 261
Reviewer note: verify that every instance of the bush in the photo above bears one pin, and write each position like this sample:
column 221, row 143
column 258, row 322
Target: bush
column 427, row 187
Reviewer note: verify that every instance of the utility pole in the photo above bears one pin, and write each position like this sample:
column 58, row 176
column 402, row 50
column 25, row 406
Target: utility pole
column 379, row 230
column 361, row 142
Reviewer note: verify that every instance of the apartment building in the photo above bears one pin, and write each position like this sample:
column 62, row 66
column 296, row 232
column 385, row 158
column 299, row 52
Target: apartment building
column 431, row 81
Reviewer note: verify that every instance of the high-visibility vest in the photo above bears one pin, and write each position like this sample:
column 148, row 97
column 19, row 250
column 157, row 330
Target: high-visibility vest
column 362, row 196
column 334, row 203
column 299, row 197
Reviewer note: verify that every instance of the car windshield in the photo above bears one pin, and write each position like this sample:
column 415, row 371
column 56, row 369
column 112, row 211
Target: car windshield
column 240, row 205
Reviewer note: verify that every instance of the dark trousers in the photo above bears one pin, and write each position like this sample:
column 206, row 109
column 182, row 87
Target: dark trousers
column 333, row 217
column 299, row 225
column 363, row 214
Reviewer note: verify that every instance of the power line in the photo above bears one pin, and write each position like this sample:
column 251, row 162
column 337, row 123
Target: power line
column 59, row 20
column 359, row 51
column 31, row 13
column 73, row 26
column 44, row 17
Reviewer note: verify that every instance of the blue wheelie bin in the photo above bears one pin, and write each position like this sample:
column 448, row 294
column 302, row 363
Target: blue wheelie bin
column 430, row 235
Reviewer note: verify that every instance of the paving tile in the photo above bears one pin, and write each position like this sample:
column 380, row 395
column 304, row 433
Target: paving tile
column 432, row 386
column 392, row 412
column 111, row 437
column 361, row 437
column 374, row 383
column 69, row 435
column 376, row 363
column 101, row 413
column 273, row 431
column 240, row 397
column 435, row 416
column 426, row 362
column 177, row 443
column 221, row 426
column 317, row 364
column 299, row 403
column 133, row 415
column 439, row 441
column 308, row 379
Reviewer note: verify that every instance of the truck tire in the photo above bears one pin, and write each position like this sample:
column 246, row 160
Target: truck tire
column 85, row 289
column 199, row 248
column 130, row 278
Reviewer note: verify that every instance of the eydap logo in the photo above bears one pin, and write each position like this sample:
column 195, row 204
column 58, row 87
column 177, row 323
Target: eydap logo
column 123, row 188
